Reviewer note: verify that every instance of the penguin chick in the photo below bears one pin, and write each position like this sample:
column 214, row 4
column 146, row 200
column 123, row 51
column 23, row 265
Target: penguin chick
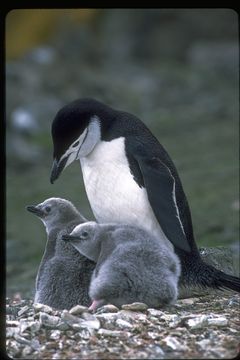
column 131, row 265
column 64, row 274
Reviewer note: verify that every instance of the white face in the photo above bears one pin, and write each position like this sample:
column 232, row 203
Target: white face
column 84, row 144
column 52, row 210
column 85, row 240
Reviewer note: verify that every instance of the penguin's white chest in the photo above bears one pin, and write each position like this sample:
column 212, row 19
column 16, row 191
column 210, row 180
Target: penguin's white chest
column 113, row 194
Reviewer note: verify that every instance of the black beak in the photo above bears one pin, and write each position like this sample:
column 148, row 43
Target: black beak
column 35, row 210
column 69, row 238
column 57, row 168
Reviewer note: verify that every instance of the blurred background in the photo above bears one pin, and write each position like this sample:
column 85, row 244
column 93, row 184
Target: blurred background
column 176, row 69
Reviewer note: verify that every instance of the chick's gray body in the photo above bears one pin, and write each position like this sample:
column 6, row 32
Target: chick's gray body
column 64, row 274
column 131, row 265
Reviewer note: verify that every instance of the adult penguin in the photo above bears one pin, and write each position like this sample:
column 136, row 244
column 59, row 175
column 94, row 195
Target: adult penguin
column 129, row 178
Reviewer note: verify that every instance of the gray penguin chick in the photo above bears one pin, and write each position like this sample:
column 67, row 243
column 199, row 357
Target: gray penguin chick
column 64, row 274
column 131, row 265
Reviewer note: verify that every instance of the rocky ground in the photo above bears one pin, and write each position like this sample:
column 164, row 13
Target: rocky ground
column 198, row 327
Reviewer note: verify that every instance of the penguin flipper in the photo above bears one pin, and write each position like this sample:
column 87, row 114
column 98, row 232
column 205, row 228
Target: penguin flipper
column 160, row 186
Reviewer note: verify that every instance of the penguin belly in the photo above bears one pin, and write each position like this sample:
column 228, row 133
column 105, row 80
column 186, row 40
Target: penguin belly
column 114, row 195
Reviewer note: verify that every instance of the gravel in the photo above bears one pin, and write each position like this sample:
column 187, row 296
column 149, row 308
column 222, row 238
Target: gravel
column 199, row 327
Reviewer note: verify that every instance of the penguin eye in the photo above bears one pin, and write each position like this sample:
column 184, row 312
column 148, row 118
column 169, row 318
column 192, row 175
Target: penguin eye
column 84, row 235
column 48, row 209
column 75, row 144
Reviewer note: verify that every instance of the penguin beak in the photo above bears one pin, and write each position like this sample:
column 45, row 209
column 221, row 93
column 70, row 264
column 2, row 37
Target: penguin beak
column 69, row 238
column 35, row 210
column 57, row 168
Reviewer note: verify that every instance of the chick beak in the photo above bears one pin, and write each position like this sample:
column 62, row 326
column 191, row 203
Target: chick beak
column 35, row 210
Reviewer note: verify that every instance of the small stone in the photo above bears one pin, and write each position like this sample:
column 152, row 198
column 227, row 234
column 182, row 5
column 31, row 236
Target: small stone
column 27, row 350
column 198, row 322
column 63, row 326
column 22, row 340
column 203, row 344
column 132, row 316
column 188, row 301
column 136, row 306
column 90, row 321
column 35, row 326
column 123, row 324
column 91, row 324
column 12, row 331
column 23, row 310
column 23, row 325
column 87, row 321
column 107, row 316
column 109, row 308
column 35, row 344
column 12, row 323
column 218, row 321
column 78, row 309
column 113, row 333
column 173, row 343
column 69, row 318
column 158, row 352
column 14, row 349
column 155, row 312
column 55, row 334
column 48, row 320
column 42, row 307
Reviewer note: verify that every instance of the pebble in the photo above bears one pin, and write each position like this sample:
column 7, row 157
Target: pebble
column 136, row 306
column 42, row 307
column 55, row 334
column 173, row 343
column 35, row 344
column 109, row 308
column 189, row 301
column 63, row 326
column 69, row 318
column 78, row 309
column 91, row 324
column 155, row 312
column 113, row 333
column 218, row 321
column 22, row 340
column 12, row 331
column 87, row 321
column 203, row 344
column 197, row 322
column 48, row 320
column 23, row 310
column 12, row 323
column 90, row 321
column 123, row 324
column 132, row 316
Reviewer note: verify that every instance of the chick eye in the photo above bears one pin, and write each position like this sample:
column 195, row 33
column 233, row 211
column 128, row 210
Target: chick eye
column 84, row 234
column 75, row 144
column 48, row 209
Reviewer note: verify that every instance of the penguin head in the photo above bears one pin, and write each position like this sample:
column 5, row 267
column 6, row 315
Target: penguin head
column 76, row 129
column 54, row 212
column 84, row 239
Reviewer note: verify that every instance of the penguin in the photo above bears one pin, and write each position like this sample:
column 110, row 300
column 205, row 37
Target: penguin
column 130, row 178
column 131, row 265
column 64, row 274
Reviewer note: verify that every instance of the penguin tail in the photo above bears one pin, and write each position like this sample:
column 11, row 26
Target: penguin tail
column 226, row 281
column 207, row 276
